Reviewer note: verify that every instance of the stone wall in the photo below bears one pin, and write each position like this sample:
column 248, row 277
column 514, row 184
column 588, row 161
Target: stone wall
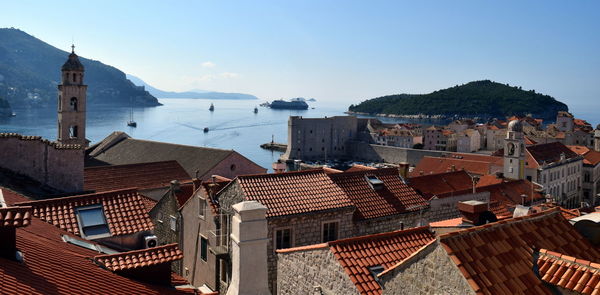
column 307, row 229
column 299, row 272
column 389, row 223
column 161, row 216
column 320, row 138
column 50, row 163
column 361, row 151
column 430, row 271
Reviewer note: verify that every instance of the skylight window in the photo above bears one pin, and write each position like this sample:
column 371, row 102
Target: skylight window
column 92, row 221
column 374, row 182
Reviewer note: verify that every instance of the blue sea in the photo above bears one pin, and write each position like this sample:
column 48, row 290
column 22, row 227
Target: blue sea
column 232, row 125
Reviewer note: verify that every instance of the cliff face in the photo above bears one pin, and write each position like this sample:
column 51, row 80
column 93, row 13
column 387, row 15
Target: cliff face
column 30, row 73
column 474, row 99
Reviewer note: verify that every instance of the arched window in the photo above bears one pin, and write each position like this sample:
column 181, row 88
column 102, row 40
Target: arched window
column 74, row 78
column 73, row 104
column 73, row 131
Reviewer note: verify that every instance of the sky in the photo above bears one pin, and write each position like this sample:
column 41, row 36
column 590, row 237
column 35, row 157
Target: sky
column 338, row 51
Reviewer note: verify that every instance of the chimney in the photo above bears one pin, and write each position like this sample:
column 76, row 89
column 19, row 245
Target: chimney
column 10, row 219
column 249, row 238
column 472, row 211
column 403, row 169
column 279, row 167
column 175, row 186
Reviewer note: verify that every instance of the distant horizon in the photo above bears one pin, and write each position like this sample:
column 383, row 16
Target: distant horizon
column 342, row 52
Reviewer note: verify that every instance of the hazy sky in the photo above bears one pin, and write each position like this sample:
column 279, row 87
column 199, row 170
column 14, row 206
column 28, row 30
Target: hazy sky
column 343, row 51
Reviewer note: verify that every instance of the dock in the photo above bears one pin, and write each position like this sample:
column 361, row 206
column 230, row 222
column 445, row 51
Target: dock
column 273, row 146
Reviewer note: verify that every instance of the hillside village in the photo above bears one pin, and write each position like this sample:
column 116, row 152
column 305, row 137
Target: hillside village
column 506, row 207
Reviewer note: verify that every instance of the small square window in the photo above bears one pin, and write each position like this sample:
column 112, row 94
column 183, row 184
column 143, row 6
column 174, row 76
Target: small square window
column 203, row 248
column 283, row 238
column 330, row 231
column 201, row 207
column 173, row 222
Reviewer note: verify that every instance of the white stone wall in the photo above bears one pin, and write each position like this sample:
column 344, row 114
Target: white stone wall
column 299, row 272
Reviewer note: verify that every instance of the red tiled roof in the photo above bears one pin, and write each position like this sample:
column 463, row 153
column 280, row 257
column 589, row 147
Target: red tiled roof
column 142, row 175
column 52, row 266
column 356, row 255
column 124, row 211
column 509, row 191
column 215, row 186
column 11, row 197
column 590, row 157
column 293, row 192
column 140, row 258
column 435, row 165
column 394, row 197
column 529, row 141
column 357, row 167
column 550, row 152
column 148, row 203
column 441, row 183
column 581, row 276
column 186, row 191
column 15, row 216
column 489, row 179
column 497, row 258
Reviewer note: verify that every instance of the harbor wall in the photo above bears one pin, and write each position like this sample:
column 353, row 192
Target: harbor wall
column 365, row 152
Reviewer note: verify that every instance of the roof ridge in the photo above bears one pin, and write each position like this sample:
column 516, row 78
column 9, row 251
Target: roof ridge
column 299, row 172
column 177, row 144
column 167, row 246
column 408, row 258
column 381, row 235
column 553, row 211
column 69, row 198
column 303, row 248
column 130, row 165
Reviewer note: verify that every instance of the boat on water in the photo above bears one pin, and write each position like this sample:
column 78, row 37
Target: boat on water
column 212, row 107
column 289, row 105
column 131, row 122
column 255, row 110
column 13, row 114
column 205, row 130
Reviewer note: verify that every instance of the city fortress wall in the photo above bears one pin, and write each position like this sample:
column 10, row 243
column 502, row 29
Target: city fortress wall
column 56, row 165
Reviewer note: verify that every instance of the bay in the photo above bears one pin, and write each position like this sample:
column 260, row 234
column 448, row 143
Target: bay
column 232, row 125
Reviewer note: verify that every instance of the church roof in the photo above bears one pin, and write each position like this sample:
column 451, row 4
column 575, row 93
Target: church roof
column 73, row 63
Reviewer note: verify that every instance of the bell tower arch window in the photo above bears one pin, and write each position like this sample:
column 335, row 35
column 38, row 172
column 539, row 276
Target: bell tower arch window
column 74, row 78
column 73, row 103
column 73, row 131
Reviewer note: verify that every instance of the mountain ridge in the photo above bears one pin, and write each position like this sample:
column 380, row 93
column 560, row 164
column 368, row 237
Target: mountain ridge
column 195, row 94
column 484, row 98
column 30, row 73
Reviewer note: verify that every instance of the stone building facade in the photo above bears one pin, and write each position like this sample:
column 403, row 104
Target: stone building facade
column 317, row 266
column 320, row 138
column 434, row 264
column 72, row 103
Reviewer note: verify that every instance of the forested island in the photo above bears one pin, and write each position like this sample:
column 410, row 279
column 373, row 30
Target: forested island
column 30, row 73
column 482, row 99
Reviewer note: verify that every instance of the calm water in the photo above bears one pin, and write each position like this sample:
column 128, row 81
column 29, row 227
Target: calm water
column 233, row 124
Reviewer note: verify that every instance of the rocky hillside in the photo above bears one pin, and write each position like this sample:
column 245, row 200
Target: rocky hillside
column 30, row 72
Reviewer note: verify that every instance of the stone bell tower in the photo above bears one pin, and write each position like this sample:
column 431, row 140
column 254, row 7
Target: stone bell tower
column 514, row 151
column 71, row 102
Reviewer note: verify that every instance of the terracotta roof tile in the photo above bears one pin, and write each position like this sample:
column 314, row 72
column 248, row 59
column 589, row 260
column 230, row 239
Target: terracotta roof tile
column 567, row 272
column 357, row 255
column 498, row 257
column 294, row 192
column 15, row 216
column 441, row 183
column 435, row 165
column 590, row 157
column 141, row 175
column 550, row 152
column 357, row 167
column 52, row 266
column 124, row 211
column 140, row 258
column 394, row 197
